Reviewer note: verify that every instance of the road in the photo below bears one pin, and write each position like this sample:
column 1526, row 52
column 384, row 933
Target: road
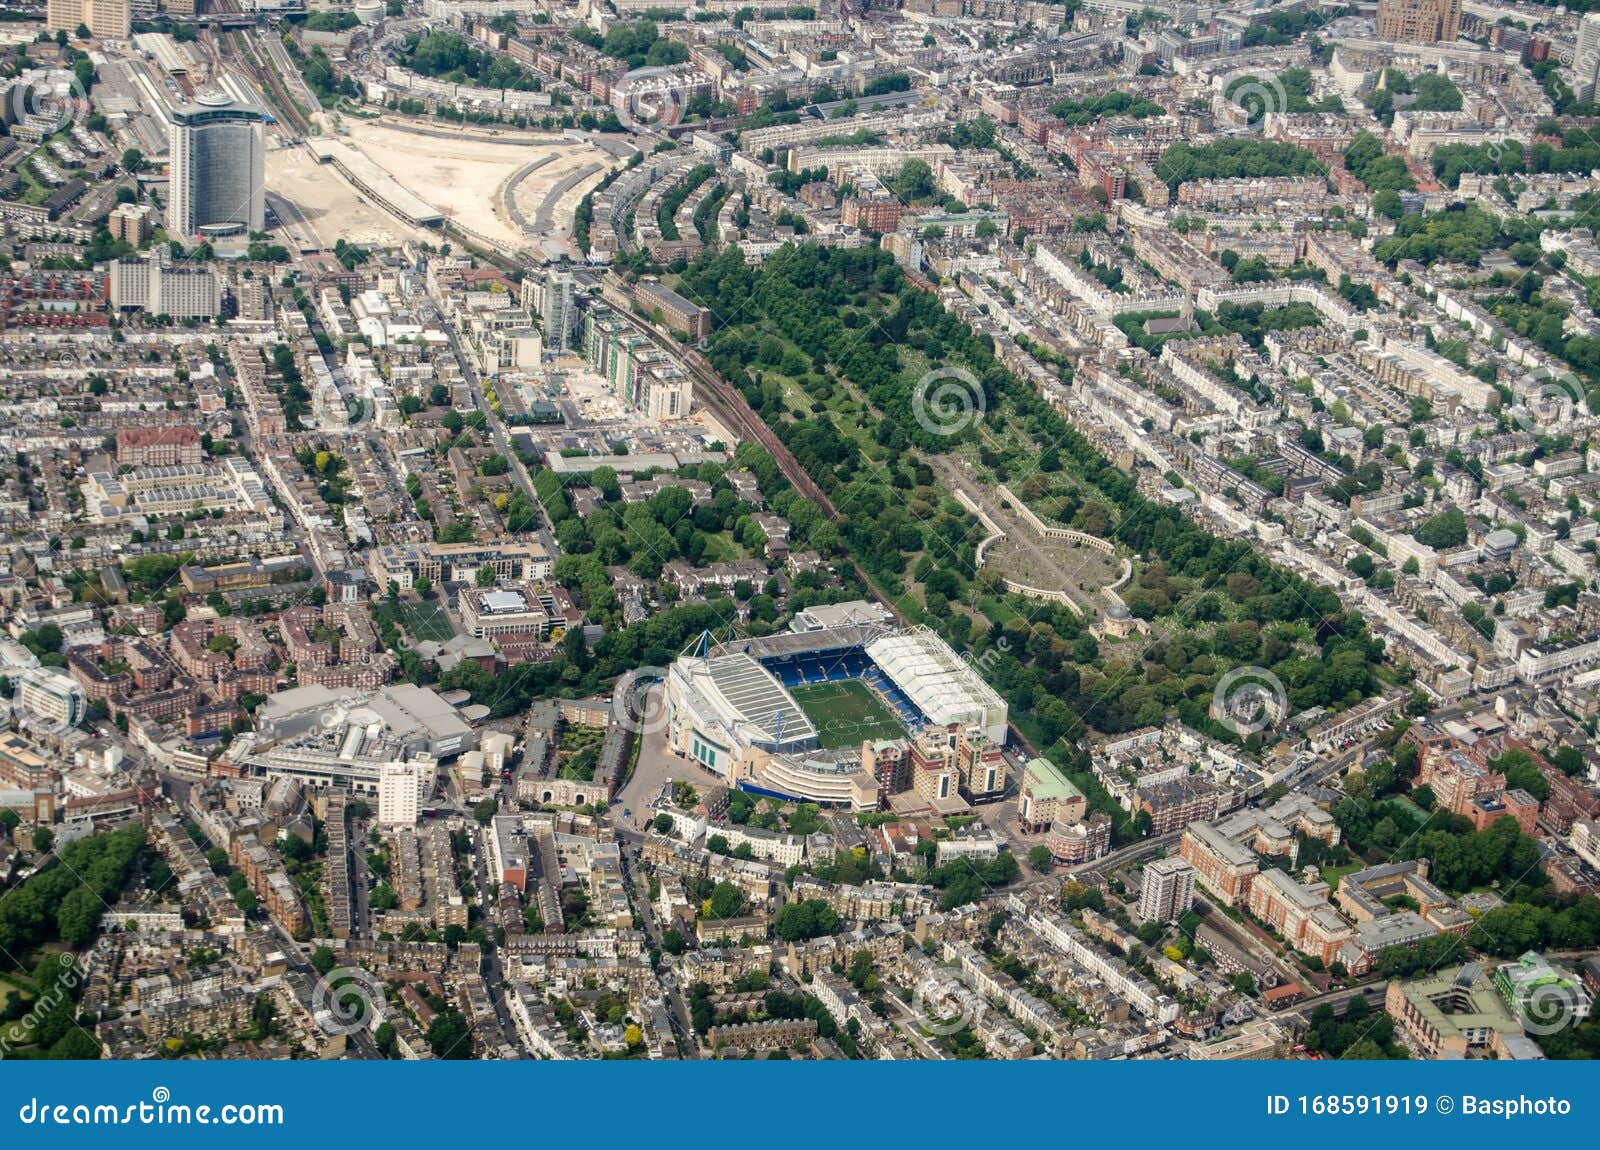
column 1320, row 770
column 683, row 1027
column 497, row 430
column 658, row 765
column 908, row 1026
column 814, row 111
column 293, row 225
column 360, row 882
column 865, row 103
column 494, row 974
column 1242, row 938
column 544, row 220
column 508, row 194
column 358, row 1045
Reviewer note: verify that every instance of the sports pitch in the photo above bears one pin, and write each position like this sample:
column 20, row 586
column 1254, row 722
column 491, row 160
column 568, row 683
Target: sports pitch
column 846, row 713
column 426, row 621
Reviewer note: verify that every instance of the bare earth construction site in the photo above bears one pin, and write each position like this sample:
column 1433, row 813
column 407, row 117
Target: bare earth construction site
column 459, row 175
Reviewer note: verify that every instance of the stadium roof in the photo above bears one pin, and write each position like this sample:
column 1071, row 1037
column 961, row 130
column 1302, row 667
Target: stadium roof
column 942, row 685
column 799, row 643
column 753, row 696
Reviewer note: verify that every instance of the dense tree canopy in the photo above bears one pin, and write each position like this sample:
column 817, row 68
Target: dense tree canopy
column 1233, row 158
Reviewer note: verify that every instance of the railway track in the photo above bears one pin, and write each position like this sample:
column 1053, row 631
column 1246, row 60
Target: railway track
column 734, row 410
column 266, row 76
column 732, row 407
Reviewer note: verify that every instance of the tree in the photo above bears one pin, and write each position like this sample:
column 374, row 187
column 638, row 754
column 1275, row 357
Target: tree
column 322, row 960
column 132, row 161
column 385, row 1039
column 78, row 917
column 485, row 576
column 43, row 839
column 76, row 1045
column 263, row 1013
column 422, row 585
column 1182, row 161
column 1446, row 529
column 802, row 920
column 663, row 824
column 726, row 900
column 484, row 812
column 449, row 1037
column 915, row 180
column 1521, row 772
column 673, row 942
column 717, row 844
column 1039, row 858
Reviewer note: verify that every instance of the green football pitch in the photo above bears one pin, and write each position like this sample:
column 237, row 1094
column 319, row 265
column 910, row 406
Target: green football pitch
column 426, row 621
column 846, row 713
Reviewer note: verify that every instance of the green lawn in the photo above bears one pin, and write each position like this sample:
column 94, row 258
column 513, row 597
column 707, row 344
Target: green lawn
column 579, row 765
column 846, row 713
column 1333, row 875
column 426, row 620
column 997, row 610
column 720, row 548
column 578, row 752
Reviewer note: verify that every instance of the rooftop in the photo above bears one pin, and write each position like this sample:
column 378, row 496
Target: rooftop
column 1045, row 780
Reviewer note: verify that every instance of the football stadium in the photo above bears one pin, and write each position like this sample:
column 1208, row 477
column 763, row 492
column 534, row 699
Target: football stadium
column 786, row 715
